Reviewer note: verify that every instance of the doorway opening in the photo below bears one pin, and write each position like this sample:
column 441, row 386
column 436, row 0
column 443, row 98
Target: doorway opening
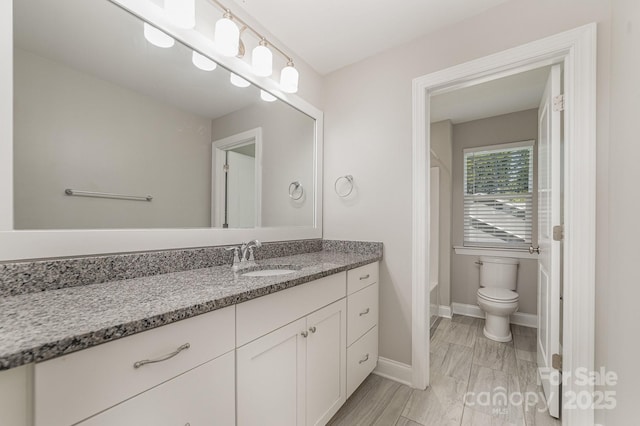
column 237, row 180
column 574, row 52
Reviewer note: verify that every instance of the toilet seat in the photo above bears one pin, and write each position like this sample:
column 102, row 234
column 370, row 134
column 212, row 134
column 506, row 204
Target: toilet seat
column 498, row 295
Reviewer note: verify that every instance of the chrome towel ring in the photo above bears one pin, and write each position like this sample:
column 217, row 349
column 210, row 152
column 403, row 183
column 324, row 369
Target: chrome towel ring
column 294, row 187
column 348, row 184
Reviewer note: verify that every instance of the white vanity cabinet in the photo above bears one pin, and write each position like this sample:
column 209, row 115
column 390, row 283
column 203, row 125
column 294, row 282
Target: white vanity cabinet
column 362, row 319
column 296, row 374
column 74, row 387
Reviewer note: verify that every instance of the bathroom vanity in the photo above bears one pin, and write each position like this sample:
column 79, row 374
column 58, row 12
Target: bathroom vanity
column 205, row 346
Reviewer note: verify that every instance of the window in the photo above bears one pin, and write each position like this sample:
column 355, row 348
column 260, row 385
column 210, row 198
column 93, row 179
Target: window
column 498, row 196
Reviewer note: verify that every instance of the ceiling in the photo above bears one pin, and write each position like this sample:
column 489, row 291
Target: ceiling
column 518, row 92
column 330, row 34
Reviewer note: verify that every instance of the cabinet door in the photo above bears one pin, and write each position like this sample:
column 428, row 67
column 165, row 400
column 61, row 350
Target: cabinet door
column 202, row 396
column 271, row 380
column 326, row 362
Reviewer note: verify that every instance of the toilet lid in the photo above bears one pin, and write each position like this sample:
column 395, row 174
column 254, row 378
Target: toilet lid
column 498, row 294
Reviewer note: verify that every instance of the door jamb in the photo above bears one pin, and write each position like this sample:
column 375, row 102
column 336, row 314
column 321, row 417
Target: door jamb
column 577, row 50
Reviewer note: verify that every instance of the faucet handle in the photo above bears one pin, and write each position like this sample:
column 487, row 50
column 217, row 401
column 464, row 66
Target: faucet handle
column 236, row 257
column 251, row 258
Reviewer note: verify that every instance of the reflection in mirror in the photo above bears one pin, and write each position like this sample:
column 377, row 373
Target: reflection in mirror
column 99, row 107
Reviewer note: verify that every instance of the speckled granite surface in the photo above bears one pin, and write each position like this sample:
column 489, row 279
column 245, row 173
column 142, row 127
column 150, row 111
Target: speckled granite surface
column 33, row 276
column 42, row 325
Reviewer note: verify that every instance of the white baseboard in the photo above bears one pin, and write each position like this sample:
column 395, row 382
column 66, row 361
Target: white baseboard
column 445, row 311
column 393, row 370
column 519, row 318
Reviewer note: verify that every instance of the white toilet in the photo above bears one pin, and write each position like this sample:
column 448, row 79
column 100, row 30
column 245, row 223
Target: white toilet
column 497, row 296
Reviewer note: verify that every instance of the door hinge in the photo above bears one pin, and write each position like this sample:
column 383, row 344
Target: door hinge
column 558, row 233
column 556, row 362
column 225, row 168
column 558, row 103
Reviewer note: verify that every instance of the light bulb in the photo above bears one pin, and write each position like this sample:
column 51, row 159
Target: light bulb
column 267, row 97
column 262, row 60
column 227, row 36
column 181, row 12
column 238, row 81
column 157, row 37
column 202, row 62
column 289, row 78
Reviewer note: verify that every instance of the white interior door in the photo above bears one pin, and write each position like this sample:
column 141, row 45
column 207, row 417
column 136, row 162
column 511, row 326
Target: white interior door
column 241, row 191
column 549, row 215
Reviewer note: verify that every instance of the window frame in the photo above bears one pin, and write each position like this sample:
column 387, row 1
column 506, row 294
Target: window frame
column 530, row 143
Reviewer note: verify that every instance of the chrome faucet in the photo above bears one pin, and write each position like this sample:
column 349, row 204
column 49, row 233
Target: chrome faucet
column 247, row 250
column 243, row 254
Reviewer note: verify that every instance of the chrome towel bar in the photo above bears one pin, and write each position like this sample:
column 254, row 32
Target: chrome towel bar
column 76, row 193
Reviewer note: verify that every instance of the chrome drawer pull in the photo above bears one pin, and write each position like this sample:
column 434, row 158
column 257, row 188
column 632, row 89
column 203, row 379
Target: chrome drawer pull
column 364, row 277
column 365, row 312
column 365, row 359
column 139, row 364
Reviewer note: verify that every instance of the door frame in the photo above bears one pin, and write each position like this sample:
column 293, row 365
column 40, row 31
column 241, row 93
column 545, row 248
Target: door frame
column 576, row 49
column 217, row 173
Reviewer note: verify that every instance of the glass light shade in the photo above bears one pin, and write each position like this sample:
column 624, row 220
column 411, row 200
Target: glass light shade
column 238, row 81
column 202, row 62
column 289, row 79
column 157, row 37
column 262, row 61
column 181, row 12
column 266, row 96
column 227, row 37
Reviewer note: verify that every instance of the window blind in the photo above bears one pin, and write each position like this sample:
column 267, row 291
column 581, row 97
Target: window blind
column 498, row 196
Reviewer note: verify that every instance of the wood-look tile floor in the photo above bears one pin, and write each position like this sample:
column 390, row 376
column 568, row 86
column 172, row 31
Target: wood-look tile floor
column 470, row 378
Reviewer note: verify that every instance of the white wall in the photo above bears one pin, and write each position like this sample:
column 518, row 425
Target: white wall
column 368, row 134
column 618, row 292
column 442, row 145
column 287, row 156
column 73, row 130
column 465, row 275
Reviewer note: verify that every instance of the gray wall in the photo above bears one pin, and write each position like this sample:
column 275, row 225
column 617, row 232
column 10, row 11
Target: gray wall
column 75, row 131
column 518, row 126
column 287, row 140
column 442, row 145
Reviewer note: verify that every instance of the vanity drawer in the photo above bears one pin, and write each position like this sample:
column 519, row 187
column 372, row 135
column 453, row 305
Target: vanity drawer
column 260, row 316
column 75, row 386
column 362, row 358
column 362, row 312
column 202, row 396
column 359, row 278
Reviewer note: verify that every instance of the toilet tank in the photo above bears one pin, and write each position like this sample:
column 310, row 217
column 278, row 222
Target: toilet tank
column 501, row 272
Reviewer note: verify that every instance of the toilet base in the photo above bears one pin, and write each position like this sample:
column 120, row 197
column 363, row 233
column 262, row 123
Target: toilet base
column 497, row 327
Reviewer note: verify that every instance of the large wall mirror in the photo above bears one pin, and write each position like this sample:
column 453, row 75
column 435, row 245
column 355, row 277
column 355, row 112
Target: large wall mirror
column 116, row 130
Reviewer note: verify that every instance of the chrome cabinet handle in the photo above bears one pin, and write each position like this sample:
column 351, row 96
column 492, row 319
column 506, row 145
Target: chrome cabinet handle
column 312, row 329
column 365, row 359
column 139, row 364
column 304, row 334
column 533, row 249
column 364, row 277
column 365, row 312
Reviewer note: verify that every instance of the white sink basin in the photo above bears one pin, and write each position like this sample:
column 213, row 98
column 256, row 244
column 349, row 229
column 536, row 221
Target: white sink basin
column 268, row 272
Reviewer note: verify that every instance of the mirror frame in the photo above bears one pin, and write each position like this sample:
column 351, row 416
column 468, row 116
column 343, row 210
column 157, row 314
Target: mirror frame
column 35, row 244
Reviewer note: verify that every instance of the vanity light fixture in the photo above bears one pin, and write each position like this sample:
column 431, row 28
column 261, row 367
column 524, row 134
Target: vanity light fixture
column 227, row 35
column 181, row 12
column 238, row 81
column 267, row 97
column 157, row 37
column 202, row 62
column 262, row 59
column 289, row 78
column 227, row 40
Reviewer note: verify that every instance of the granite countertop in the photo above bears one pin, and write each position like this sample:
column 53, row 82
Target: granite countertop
column 39, row 326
